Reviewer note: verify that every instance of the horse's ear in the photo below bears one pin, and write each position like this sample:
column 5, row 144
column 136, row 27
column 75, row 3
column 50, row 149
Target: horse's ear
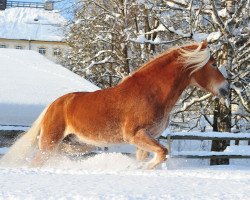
column 204, row 44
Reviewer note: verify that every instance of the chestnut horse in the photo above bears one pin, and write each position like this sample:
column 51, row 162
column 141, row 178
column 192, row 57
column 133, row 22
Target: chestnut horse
column 136, row 111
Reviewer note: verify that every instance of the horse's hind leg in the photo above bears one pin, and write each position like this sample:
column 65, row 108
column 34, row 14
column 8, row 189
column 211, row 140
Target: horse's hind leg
column 143, row 141
column 71, row 144
column 69, row 148
column 141, row 155
column 49, row 141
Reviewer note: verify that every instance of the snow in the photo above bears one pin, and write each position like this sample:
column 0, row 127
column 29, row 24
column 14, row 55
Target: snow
column 214, row 36
column 32, row 24
column 3, row 150
column 178, row 32
column 242, row 150
column 14, row 128
column 116, row 176
column 223, row 13
column 29, row 82
column 198, row 37
column 223, row 70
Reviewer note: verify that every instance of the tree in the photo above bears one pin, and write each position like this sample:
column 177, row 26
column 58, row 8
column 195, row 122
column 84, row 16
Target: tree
column 110, row 39
column 100, row 47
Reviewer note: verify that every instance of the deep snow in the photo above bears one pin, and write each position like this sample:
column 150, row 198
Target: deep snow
column 116, row 176
column 29, row 82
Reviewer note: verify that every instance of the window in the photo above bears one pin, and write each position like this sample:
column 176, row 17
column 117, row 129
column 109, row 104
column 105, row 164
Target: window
column 42, row 51
column 57, row 52
column 19, row 47
column 2, row 46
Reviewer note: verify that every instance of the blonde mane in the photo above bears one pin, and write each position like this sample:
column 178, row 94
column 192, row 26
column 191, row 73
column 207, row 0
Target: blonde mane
column 191, row 59
column 194, row 59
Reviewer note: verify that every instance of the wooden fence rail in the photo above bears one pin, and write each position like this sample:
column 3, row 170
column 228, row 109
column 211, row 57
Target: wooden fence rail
column 25, row 4
column 207, row 136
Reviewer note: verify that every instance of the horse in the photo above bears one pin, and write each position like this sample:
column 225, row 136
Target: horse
column 136, row 111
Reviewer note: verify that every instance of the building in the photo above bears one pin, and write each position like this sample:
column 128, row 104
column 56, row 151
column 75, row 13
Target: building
column 32, row 26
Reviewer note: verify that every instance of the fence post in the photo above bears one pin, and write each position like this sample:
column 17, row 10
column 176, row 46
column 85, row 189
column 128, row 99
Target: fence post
column 169, row 144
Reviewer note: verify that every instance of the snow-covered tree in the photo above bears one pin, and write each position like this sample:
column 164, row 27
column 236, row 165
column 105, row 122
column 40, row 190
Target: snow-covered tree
column 100, row 49
column 110, row 39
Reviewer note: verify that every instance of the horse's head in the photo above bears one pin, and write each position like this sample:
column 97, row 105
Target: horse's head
column 203, row 70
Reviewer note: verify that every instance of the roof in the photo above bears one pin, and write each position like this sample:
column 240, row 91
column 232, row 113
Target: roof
column 29, row 82
column 32, row 24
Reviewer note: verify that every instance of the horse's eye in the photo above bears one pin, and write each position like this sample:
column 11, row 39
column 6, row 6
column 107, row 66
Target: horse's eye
column 214, row 65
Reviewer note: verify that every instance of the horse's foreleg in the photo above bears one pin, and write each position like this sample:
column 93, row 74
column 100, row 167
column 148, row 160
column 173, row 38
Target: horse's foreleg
column 143, row 141
column 141, row 155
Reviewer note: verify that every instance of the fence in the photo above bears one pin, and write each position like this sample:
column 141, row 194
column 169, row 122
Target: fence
column 208, row 136
column 25, row 4
column 48, row 5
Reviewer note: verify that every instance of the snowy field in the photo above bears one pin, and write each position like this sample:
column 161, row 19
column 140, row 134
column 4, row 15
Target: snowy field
column 117, row 176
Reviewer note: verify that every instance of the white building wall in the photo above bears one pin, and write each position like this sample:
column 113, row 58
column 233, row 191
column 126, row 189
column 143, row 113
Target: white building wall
column 35, row 45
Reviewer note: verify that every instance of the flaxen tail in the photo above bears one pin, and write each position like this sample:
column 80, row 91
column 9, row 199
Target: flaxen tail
column 22, row 150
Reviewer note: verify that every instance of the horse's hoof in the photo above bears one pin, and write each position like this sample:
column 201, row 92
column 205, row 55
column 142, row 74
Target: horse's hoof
column 150, row 166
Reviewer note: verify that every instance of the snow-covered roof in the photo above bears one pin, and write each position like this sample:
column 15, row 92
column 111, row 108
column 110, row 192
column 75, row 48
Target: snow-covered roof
column 32, row 24
column 29, row 82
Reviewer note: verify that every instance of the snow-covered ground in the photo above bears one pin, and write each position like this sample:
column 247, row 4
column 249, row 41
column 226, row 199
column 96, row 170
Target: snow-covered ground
column 113, row 175
column 117, row 176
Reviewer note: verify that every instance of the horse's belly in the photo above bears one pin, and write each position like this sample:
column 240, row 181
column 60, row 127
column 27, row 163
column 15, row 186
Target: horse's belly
column 97, row 137
column 100, row 142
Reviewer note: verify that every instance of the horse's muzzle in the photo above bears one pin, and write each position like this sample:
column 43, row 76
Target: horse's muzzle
column 224, row 90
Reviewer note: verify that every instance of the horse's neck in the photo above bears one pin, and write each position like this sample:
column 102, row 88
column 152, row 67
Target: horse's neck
column 167, row 75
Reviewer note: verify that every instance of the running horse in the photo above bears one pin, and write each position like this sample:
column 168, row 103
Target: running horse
column 136, row 111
